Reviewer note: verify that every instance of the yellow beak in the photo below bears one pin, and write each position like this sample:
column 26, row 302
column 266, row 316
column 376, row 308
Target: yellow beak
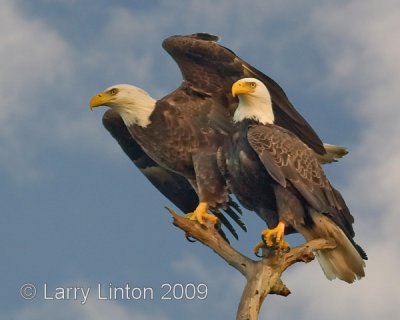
column 241, row 87
column 98, row 100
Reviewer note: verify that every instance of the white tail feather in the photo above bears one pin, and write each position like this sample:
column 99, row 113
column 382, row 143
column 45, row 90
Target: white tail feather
column 333, row 153
column 343, row 261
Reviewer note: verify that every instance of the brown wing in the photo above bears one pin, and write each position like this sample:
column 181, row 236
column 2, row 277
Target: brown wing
column 186, row 130
column 291, row 163
column 212, row 69
column 174, row 187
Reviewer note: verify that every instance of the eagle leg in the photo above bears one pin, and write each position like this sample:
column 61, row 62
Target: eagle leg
column 200, row 214
column 273, row 237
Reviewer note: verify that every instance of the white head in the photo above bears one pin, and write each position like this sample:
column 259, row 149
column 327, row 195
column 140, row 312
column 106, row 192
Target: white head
column 254, row 101
column 133, row 104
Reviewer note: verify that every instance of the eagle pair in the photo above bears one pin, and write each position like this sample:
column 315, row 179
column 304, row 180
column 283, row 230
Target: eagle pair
column 228, row 129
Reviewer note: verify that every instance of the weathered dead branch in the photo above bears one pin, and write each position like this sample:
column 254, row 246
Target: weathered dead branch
column 263, row 276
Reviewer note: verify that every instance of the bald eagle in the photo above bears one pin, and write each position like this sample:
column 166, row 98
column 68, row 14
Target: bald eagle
column 172, row 185
column 274, row 173
column 182, row 131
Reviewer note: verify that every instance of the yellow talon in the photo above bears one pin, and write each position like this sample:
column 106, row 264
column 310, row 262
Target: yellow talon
column 258, row 247
column 200, row 214
column 273, row 237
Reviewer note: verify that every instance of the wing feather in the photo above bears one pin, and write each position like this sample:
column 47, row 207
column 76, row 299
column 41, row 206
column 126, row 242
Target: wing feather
column 290, row 158
column 174, row 187
column 212, row 68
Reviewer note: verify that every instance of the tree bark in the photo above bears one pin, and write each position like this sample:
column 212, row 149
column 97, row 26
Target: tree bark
column 263, row 276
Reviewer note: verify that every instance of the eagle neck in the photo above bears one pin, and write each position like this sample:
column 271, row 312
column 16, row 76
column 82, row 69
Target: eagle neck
column 255, row 108
column 137, row 113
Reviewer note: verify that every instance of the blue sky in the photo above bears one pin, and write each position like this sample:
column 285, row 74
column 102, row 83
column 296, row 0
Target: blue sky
column 76, row 212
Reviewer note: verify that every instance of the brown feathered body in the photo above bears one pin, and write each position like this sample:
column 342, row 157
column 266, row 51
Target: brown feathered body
column 184, row 133
column 272, row 172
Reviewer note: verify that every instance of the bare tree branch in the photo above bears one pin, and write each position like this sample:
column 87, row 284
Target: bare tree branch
column 263, row 276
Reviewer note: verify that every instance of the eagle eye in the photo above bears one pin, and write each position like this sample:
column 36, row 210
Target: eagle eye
column 253, row 85
column 114, row 91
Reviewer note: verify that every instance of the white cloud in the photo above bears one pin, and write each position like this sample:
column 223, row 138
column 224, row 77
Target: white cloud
column 224, row 285
column 366, row 33
column 314, row 297
column 44, row 104
column 34, row 58
column 130, row 40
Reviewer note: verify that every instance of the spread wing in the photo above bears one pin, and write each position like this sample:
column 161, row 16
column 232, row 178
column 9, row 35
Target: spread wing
column 292, row 164
column 212, row 69
column 173, row 186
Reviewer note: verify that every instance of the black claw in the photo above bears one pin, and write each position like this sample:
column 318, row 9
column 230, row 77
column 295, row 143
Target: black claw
column 190, row 239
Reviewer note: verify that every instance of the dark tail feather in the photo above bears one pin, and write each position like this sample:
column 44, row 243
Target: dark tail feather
column 361, row 251
column 223, row 235
column 235, row 212
column 234, row 205
column 226, row 223
column 235, row 217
